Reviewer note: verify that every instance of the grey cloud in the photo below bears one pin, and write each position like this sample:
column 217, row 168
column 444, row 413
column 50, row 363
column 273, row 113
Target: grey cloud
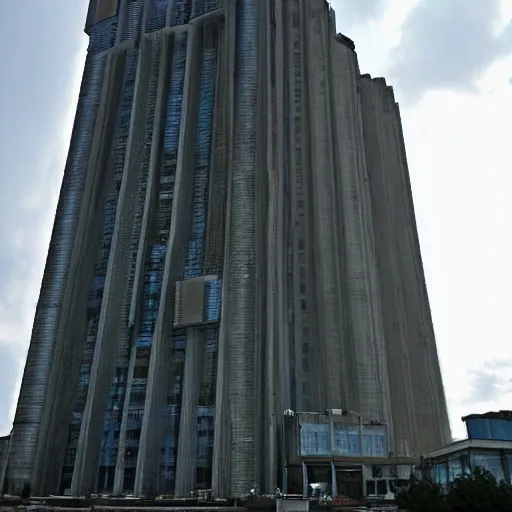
column 350, row 13
column 484, row 387
column 38, row 50
column 498, row 364
column 447, row 44
column 487, row 385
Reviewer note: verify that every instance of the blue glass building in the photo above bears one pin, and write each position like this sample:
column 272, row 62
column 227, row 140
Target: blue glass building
column 488, row 446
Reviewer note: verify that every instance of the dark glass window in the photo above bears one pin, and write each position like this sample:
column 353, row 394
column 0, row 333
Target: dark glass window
column 478, row 428
column 382, row 487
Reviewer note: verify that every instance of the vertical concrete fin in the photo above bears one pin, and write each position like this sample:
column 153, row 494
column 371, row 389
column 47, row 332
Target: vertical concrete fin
column 221, row 465
column 161, row 96
column 187, row 441
column 358, row 255
column 240, row 296
column 283, row 379
column 328, row 260
column 135, row 149
column 268, row 362
column 148, row 461
column 374, row 284
column 71, row 334
column 87, row 453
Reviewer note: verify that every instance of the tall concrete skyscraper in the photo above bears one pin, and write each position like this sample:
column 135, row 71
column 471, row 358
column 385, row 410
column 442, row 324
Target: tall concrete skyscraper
column 234, row 238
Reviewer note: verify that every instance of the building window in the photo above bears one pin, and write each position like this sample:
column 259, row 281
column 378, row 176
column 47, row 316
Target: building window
column 441, row 473
column 140, row 372
column 70, row 456
column 491, row 461
column 370, row 487
column 454, row 468
column 131, row 453
column 382, row 487
column 509, row 462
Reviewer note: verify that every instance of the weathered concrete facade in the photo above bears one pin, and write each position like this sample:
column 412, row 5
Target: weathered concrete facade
column 4, row 455
column 235, row 237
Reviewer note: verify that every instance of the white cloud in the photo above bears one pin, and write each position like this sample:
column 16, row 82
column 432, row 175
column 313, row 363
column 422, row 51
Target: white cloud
column 41, row 200
column 458, row 152
column 436, row 52
column 351, row 12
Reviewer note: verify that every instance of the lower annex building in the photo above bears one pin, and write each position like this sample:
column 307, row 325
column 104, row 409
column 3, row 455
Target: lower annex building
column 235, row 237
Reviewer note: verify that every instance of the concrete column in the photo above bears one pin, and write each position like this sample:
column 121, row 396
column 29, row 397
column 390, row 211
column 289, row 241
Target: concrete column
column 305, row 483
column 221, row 465
column 334, row 482
column 263, row 471
column 328, row 259
column 316, row 352
column 283, row 377
column 373, row 282
column 135, row 149
column 216, row 217
column 296, row 230
column 358, row 255
column 73, row 324
column 187, row 443
column 87, row 456
column 121, row 449
column 148, row 461
column 381, row 172
column 373, row 271
column 269, row 480
column 152, row 184
column 240, row 296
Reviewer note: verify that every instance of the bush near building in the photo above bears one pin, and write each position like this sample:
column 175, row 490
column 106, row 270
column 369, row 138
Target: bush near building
column 478, row 492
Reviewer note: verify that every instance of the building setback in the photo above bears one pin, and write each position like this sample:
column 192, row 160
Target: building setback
column 235, row 237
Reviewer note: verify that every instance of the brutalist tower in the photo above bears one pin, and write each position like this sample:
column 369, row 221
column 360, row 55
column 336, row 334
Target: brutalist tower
column 234, row 238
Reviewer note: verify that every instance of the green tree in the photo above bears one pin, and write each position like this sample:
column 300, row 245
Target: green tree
column 422, row 496
column 478, row 492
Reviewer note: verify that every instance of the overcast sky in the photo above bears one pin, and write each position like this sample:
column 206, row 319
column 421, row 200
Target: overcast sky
column 450, row 62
